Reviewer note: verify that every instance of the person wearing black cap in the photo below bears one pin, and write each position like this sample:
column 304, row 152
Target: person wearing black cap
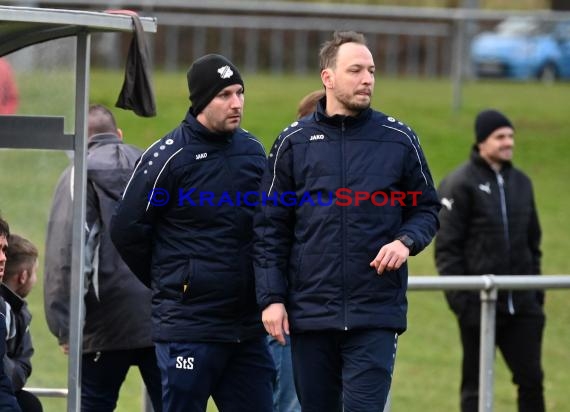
column 185, row 231
column 489, row 225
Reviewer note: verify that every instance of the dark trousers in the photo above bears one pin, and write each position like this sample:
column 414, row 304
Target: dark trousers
column 238, row 376
column 354, row 368
column 519, row 338
column 28, row 401
column 103, row 374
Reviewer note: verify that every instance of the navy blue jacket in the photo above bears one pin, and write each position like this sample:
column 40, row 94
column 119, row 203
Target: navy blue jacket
column 8, row 402
column 19, row 349
column 315, row 258
column 191, row 240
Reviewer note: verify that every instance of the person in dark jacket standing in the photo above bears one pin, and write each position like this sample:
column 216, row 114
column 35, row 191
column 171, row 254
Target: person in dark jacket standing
column 19, row 277
column 332, row 240
column 8, row 402
column 489, row 225
column 184, row 226
column 117, row 328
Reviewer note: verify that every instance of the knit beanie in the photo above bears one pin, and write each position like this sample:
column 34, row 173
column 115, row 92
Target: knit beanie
column 207, row 76
column 487, row 122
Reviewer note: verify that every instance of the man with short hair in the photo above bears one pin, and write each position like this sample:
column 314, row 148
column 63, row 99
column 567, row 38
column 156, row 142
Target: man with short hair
column 489, row 225
column 116, row 331
column 185, row 231
column 20, row 275
column 335, row 275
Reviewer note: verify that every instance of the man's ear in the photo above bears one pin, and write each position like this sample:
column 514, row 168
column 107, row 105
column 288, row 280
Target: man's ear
column 327, row 77
column 120, row 133
column 23, row 277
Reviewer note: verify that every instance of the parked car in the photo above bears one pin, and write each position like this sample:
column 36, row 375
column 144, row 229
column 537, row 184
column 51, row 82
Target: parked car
column 523, row 48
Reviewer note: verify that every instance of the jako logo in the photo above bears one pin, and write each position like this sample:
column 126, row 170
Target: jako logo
column 225, row 72
column 184, row 363
column 201, row 156
column 317, row 137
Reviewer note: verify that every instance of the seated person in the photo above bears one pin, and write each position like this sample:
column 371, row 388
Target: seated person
column 18, row 279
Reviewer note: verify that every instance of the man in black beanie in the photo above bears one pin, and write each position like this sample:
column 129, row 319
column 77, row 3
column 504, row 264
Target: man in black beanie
column 185, row 232
column 489, row 225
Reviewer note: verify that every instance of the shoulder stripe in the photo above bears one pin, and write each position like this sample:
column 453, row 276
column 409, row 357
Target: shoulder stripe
column 158, row 176
column 258, row 142
column 277, row 157
column 140, row 163
column 415, row 149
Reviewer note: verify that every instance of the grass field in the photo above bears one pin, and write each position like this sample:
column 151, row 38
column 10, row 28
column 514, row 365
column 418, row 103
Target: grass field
column 427, row 369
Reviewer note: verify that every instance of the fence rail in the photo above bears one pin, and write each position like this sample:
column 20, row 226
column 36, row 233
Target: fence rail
column 487, row 284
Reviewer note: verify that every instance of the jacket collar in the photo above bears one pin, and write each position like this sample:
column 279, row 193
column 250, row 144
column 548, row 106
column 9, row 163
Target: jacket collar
column 102, row 139
column 15, row 301
column 479, row 161
column 339, row 119
column 203, row 133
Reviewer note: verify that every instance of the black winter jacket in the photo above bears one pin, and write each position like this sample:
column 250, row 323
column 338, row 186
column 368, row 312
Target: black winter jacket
column 19, row 349
column 117, row 306
column 314, row 256
column 484, row 232
column 191, row 240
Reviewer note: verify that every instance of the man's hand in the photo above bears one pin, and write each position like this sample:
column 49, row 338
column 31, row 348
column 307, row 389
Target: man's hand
column 390, row 257
column 65, row 348
column 275, row 320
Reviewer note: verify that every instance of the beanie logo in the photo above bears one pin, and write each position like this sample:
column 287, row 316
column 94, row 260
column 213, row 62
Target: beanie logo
column 225, row 72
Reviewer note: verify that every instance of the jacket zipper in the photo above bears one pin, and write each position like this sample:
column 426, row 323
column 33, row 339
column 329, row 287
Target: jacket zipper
column 501, row 183
column 343, row 225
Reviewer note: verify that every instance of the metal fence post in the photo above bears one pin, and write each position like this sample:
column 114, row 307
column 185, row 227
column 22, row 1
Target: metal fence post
column 147, row 404
column 487, row 347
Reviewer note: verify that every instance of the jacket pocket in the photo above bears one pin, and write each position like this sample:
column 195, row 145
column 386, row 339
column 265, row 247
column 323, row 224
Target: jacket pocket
column 188, row 280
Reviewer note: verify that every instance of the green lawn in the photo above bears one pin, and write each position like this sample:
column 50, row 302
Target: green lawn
column 427, row 368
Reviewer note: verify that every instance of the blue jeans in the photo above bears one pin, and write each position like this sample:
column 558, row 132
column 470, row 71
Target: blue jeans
column 103, row 374
column 284, row 395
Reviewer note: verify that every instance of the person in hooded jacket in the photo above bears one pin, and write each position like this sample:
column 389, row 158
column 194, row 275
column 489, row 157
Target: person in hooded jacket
column 117, row 325
column 489, row 225
column 184, row 226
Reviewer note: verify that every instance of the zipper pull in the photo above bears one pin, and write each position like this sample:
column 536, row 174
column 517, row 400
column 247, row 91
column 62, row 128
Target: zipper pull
column 185, row 286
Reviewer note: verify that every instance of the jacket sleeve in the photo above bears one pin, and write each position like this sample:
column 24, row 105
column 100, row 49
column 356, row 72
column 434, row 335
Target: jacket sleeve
column 8, row 401
column 420, row 220
column 273, row 227
column 57, row 268
column 454, row 219
column 455, row 216
column 19, row 367
column 133, row 221
column 534, row 237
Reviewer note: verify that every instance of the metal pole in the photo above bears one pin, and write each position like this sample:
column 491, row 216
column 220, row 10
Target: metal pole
column 487, row 349
column 147, row 404
column 76, row 304
column 457, row 62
